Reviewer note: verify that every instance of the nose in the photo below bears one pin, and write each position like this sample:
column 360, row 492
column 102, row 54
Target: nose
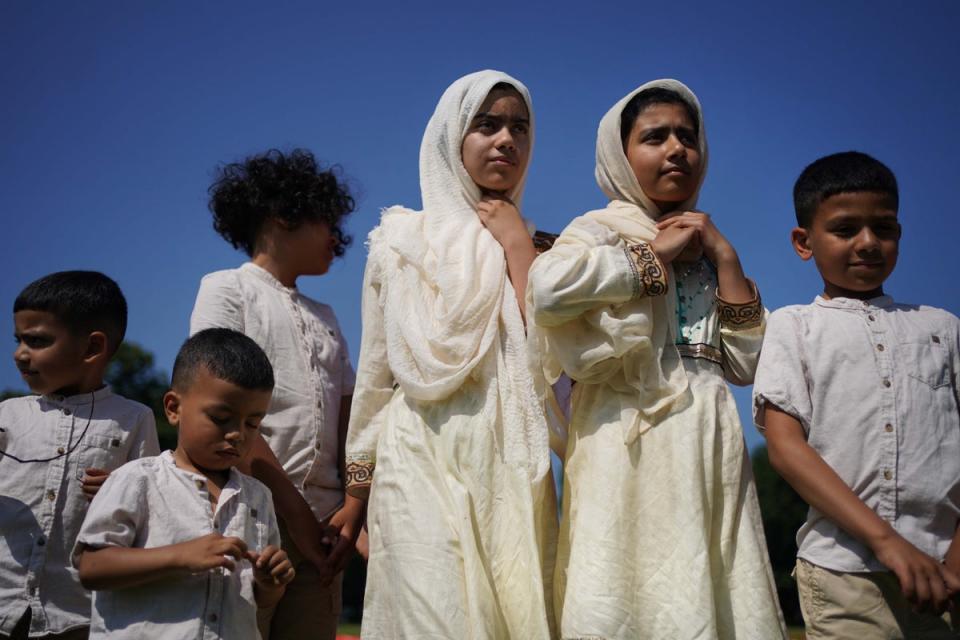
column 234, row 435
column 676, row 148
column 505, row 138
column 867, row 241
column 20, row 352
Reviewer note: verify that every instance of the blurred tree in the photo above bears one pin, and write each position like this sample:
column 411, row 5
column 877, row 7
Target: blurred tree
column 783, row 512
column 132, row 374
column 6, row 394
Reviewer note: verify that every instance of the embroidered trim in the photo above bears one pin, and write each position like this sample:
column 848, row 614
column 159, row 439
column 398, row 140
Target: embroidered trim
column 701, row 350
column 651, row 277
column 746, row 315
column 359, row 473
column 543, row 240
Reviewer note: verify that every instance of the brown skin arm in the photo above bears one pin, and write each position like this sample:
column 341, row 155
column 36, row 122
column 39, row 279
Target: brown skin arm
column 923, row 580
column 302, row 525
column 346, row 524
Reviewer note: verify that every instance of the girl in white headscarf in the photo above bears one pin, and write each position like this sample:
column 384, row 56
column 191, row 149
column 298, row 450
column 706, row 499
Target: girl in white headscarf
column 644, row 305
column 448, row 439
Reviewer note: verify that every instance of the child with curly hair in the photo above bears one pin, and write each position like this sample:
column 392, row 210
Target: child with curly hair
column 286, row 213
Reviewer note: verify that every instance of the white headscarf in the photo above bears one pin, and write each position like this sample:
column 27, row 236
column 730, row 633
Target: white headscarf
column 450, row 310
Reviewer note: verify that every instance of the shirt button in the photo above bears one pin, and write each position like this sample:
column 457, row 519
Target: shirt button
column 51, row 494
column 871, row 318
column 879, row 347
column 213, row 617
column 60, row 450
column 887, row 474
column 216, row 525
column 41, row 541
column 888, row 427
column 936, row 339
column 199, row 484
column 886, row 382
column 66, row 412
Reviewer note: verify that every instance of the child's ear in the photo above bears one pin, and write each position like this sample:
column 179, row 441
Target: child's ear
column 800, row 239
column 97, row 347
column 171, row 407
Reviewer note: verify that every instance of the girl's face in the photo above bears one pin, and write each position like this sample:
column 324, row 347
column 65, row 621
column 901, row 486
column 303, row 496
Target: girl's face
column 497, row 145
column 663, row 153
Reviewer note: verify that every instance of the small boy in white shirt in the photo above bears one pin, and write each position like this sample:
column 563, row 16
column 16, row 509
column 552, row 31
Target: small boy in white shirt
column 183, row 545
column 287, row 214
column 858, row 398
column 57, row 447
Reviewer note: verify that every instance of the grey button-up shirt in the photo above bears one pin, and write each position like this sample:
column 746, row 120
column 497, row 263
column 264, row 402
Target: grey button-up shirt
column 41, row 501
column 874, row 384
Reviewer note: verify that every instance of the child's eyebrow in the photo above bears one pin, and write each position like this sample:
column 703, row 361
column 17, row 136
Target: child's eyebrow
column 493, row 116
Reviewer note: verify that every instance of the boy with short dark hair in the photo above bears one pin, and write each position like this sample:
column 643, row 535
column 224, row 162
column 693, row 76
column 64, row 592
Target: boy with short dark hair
column 857, row 397
column 57, row 447
column 184, row 545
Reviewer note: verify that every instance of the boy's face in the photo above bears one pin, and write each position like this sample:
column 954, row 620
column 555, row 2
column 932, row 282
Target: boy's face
column 313, row 243
column 854, row 240
column 50, row 357
column 216, row 421
column 663, row 152
column 496, row 148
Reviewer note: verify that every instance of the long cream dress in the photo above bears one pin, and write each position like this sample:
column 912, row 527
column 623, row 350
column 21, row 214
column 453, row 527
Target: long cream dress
column 447, row 420
column 661, row 536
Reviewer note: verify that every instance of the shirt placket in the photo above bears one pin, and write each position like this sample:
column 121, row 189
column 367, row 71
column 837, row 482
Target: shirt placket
column 887, row 423
column 213, row 606
column 53, row 482
column 310, row 348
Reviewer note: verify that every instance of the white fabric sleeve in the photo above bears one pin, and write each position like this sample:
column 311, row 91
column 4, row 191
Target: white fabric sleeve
column 373, row 391
column 780, row 379
column 219, row 303
column 115, row 514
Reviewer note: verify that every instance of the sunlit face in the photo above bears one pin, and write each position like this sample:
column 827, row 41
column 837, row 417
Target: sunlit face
column 854, row 239
column 49, row 356
column 663, row 152
column 216, row 422
column 496, row 148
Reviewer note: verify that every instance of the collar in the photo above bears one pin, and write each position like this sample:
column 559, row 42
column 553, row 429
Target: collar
column 265, row 276
column 230, row 489
column 852, row 304
column 80, row 399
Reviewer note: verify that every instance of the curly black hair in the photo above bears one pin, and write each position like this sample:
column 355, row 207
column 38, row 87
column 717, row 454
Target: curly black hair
column 290, row 188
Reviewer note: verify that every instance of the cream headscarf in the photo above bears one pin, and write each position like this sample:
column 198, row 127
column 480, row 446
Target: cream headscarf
column 450, row 310
column 629, row 347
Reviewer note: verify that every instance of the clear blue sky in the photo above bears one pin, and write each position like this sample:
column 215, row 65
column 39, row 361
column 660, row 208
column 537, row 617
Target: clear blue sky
column 114, row 115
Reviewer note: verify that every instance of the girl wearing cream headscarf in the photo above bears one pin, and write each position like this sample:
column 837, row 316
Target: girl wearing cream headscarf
column 645, row 306
column 448, row 439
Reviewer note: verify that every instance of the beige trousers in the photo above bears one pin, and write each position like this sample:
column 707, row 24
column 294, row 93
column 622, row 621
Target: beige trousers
column 862, row 606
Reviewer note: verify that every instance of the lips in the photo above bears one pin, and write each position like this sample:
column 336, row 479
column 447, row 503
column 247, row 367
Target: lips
column 504, row 160
column 675, row 170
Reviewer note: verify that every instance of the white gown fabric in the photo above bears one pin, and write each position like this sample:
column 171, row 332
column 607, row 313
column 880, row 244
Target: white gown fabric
column 661, row 535
column 447, row 415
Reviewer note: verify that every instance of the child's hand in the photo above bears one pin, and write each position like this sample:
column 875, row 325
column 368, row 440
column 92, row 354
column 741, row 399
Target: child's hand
column 924, row 581
column 209, row 552
column 671, row 242
column 715, row 246
column 271, row 567
column 342, row 533
column 502, row 219
column 93, row 479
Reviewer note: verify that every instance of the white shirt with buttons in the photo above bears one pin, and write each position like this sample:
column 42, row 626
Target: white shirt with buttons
column 311, row 366
column 875, row 386
column 55, row 438
column 152, row 503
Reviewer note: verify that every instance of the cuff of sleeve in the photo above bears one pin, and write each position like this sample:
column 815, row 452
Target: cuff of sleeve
column 359, row 476
column 744, row 315
column 649, row 276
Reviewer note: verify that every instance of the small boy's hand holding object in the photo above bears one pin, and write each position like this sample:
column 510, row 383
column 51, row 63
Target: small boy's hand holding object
column 271, row 567
column 93, row 479
column 210, row 552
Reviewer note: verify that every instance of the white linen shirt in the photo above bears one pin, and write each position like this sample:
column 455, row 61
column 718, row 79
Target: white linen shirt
column 874, row 385
column 311, row 366
column 42, row 504
column 153, row 503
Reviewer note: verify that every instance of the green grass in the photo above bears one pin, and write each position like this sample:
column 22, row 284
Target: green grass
column 349, row 629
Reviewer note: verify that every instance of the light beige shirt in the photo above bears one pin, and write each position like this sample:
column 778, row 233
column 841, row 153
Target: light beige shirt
column 311, row 366
column 152, row 503
column 42, row 504
column 874, row 384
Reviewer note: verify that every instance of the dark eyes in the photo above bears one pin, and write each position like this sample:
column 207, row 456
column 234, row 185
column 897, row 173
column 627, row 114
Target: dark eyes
column 490, row 127
column 34, row 342
column 225, row 421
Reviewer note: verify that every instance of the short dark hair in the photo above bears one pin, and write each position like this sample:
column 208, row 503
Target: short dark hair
column 84, row 301
column 646, row 98
column 289, row 187
column 226, row 354
column 845, row 172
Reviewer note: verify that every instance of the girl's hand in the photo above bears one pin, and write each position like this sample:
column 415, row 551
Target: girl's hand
column 271, row 567
column 672, row 241
column 502, row 219
column 715, row 246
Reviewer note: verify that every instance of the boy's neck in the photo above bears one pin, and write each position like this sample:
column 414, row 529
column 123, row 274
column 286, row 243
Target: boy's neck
column 830, row 292
column 275, row 266
column 80, row 388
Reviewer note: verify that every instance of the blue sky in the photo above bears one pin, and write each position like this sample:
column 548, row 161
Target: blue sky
column 114, row 115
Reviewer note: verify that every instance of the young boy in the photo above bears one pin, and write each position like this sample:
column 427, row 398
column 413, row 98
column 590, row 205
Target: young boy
column 286, row 214
column 57, row 447
column 857, row 397
column 184, row 545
